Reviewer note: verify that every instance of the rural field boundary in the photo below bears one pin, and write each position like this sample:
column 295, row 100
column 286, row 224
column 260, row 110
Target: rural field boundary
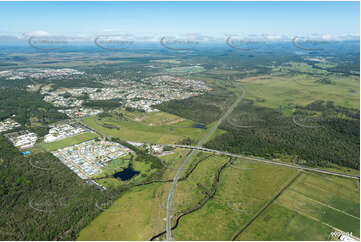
column 266, row 206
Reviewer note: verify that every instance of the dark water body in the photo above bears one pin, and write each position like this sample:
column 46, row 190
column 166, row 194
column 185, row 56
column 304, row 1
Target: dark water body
column 199, row 126
column 126, row 174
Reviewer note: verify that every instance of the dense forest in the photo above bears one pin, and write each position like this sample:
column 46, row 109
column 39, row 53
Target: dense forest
column 105, row 104
column 204, row 109
column 75, row 82
column 42, row 199
column 27, row 107
column 318, row 134
column 17, row 83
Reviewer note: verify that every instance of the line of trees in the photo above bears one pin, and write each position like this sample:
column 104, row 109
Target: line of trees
column 335, row 139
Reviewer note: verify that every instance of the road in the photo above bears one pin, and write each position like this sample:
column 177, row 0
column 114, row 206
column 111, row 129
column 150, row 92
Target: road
column 194, row 148
column 175, row 180
column 199, row 147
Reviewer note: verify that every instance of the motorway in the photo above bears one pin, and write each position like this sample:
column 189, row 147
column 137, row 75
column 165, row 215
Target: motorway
column 175, row 180
column 199, row 147
column 194, row 148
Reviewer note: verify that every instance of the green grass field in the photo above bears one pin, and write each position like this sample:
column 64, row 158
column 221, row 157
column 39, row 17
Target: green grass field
column 136, row 215
column 68, row 141
column 188, row 192
column 240, row 194
column 143, row 216
column 143, row 132
column 284, row 87
column 310, row 209
column 333, row 201
column 280, row 223
column 174, row 160
column 155, row 118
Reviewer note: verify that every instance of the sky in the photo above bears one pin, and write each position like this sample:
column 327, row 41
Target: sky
column 173, row 18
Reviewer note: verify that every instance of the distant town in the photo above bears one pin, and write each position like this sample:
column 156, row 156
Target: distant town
column 38, row 73
column 88, row 158
column 134, row 94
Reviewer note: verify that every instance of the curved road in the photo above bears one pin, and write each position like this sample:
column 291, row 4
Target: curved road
column 176, row 178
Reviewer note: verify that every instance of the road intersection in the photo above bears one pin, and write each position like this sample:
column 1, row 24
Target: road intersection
column 176, row 178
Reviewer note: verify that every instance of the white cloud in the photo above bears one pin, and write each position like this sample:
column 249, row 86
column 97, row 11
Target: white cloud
column 37, row 33
column 274, row 37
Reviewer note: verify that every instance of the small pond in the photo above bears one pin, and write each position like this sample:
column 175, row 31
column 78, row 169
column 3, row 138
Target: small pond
column 199, row 126
column 126, row 174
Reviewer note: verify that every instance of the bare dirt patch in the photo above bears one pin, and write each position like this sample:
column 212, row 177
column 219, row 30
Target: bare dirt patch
column 175, row 121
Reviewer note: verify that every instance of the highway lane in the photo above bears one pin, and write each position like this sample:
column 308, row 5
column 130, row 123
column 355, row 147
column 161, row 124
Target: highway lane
column 198, row 147
column 175, row 180
column 194, row 148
